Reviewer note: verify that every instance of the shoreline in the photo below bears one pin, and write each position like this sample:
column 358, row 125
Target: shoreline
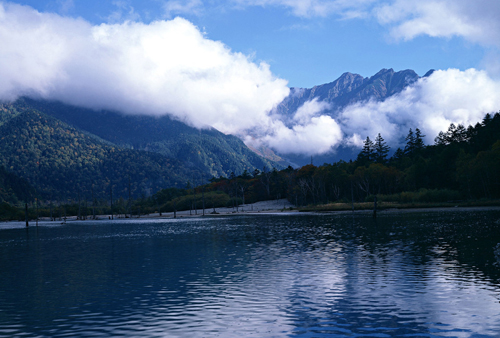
column 276, row 207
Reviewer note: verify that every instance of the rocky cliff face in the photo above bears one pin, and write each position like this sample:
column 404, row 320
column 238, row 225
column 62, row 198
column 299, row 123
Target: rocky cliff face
column 350, row 88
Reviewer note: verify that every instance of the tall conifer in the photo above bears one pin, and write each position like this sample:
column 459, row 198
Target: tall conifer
column 419, row 142
column 410, row 143
column 381, row 149
column 367, row 154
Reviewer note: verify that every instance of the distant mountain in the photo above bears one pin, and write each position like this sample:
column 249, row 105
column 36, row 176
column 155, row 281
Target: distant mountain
column 347, row 89
column 207, row 150
column 350, row 88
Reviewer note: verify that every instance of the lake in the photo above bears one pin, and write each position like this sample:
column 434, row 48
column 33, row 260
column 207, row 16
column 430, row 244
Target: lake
column 405, row 274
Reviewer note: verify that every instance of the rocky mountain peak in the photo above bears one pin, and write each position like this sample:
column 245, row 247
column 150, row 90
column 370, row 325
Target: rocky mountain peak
column 350, row 88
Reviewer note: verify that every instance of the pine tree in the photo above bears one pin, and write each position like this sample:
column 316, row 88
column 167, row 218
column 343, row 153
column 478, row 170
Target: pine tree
column 460, row 134
column 367, row 154
column 419, row 142
column 381, row 149
column 487, row 119
column 440, row 139
column 410, row 143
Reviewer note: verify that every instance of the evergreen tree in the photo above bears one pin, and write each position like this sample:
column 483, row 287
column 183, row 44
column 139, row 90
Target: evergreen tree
column 487, row 119
column 410, row 143
column 367, row 154
column 419, row 142
column 453, row 135
column 460, row 134
column 381, row 149
column 440, row 139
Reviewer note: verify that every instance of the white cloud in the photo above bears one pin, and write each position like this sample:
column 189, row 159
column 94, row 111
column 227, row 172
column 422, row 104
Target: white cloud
column 431, row 104
column 477, row 21
column 124, row 12
column 158, row 68
column 66, row 5
column 317, row 8
column 318, row 136
column 310, row 109
column 175, row 7
column 309, row 132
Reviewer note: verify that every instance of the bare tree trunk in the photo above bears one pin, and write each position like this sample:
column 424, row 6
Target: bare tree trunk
column 79, row 204
column 111, row 198
column 352, row 196
column 93, row 203
column 26, row 213
column 203, row 198
column 129, row 200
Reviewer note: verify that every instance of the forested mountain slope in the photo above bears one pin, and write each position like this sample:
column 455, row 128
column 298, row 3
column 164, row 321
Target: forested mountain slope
column 207, row 150
column 62, row 162
column 14, row 189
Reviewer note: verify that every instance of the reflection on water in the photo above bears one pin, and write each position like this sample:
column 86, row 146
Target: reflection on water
column 416, row 275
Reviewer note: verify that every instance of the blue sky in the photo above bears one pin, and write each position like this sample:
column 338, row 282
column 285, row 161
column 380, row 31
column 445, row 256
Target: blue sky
column 306, row 50
column 228, row 64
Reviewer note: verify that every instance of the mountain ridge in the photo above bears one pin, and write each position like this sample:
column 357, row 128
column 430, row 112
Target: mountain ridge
column 350, row 88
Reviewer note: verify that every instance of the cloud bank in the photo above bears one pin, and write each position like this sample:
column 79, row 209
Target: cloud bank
column 309, row 131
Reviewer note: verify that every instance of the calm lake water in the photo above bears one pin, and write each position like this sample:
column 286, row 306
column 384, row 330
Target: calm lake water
column 429, row 274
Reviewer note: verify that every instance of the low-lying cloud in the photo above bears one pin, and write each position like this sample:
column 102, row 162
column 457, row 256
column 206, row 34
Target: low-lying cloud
column 309, row 131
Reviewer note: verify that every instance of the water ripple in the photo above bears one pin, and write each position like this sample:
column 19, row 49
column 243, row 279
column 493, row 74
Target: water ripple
column 425, row 275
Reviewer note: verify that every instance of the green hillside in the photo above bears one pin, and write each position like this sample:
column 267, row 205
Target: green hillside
column 14, row 189
column 62, row 162
column 208, row 150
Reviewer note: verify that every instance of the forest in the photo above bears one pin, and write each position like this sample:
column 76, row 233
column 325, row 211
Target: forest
column 462, row 165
